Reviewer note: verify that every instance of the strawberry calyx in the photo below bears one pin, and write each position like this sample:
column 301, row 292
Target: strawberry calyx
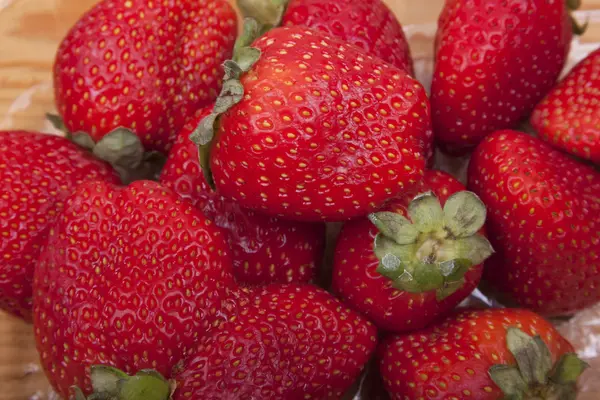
column 533, row 377
column 436, row 247
column 110, row 383
column 574, row 5
column 232, row 92
column 268, row 13
column 121, row 148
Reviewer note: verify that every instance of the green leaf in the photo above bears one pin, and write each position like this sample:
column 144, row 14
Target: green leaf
column 568, row 369
column 573, row 4
column 204, row 132
column 232, row 70
column 104, row 378
column 543, row 363
column 84, row 140
column 267, row 12
column 251, row 31
column 204, row 156
column 426, row 213
column 577, row 28
column 121, row 147
column 246, row 57
column 464, row 214
column 407, row 283
column 509, row 380
column 454, row 270
column 474, row 248
column 392, row 256
column 448, row 289
column 57, row 122
column 428, row 277
column 231, row 94
column 76, row 394
column 144, row 386
column 390, row 267
column 395, row 227
column 532, row 356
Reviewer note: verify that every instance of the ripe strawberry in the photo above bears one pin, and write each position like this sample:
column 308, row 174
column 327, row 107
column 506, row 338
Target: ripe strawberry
column 283, row 342
column 141, row 65
column 495, row 60
column 403, row 274
column 288, row 342
column 316, row 129
column 370, row 25
column 487, row 354
column 130, row 277
column 569, row 116
column 543, row 221
column 38, row 172
column 265, row 249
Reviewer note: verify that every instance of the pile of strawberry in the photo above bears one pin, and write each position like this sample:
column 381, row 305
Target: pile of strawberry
column 173, row 244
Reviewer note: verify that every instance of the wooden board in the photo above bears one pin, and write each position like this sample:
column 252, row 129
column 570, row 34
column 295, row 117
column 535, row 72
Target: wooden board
column 29, row 33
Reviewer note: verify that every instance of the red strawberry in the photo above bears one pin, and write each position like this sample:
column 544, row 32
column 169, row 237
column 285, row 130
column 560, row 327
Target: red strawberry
column 370, row 25
column 141, row 65
column 316, row 129
column 38, row 172
column 289, row 342
column 495, row 60
column 543, row 220
column 130, row 277
column 265, row 249
column 488, row 354
column 403, row 274
column 569, row 117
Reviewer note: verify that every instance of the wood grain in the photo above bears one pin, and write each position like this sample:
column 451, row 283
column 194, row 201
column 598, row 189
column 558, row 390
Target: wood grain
column 30, row 31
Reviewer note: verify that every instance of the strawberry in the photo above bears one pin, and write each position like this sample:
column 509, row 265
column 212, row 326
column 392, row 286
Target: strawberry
column 340, row 134
column 38, row 173
column 543, row 221
column 130, row 277
column 370, row 25
column 569, row 116
column 289, row 342
column 403, row 273
column 495, row 60
column 487, row 354
column 265, row 249
column 133, row 71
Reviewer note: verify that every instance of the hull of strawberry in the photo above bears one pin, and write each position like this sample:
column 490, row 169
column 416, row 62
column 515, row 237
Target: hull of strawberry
column 22, row 105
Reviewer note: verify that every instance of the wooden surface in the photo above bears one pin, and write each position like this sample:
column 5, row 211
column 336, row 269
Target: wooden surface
column 29, row 33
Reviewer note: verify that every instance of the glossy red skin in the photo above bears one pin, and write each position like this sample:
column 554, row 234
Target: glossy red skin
column 312, row 142
column 357, row 282
column 543, row 219
column 450, row 360
column 265, row 249
column 286, row 342
column 495, row 60
column 147, row 67
column 130, row 277
column 370, row 25
column 38, row 172
column 569, row 117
